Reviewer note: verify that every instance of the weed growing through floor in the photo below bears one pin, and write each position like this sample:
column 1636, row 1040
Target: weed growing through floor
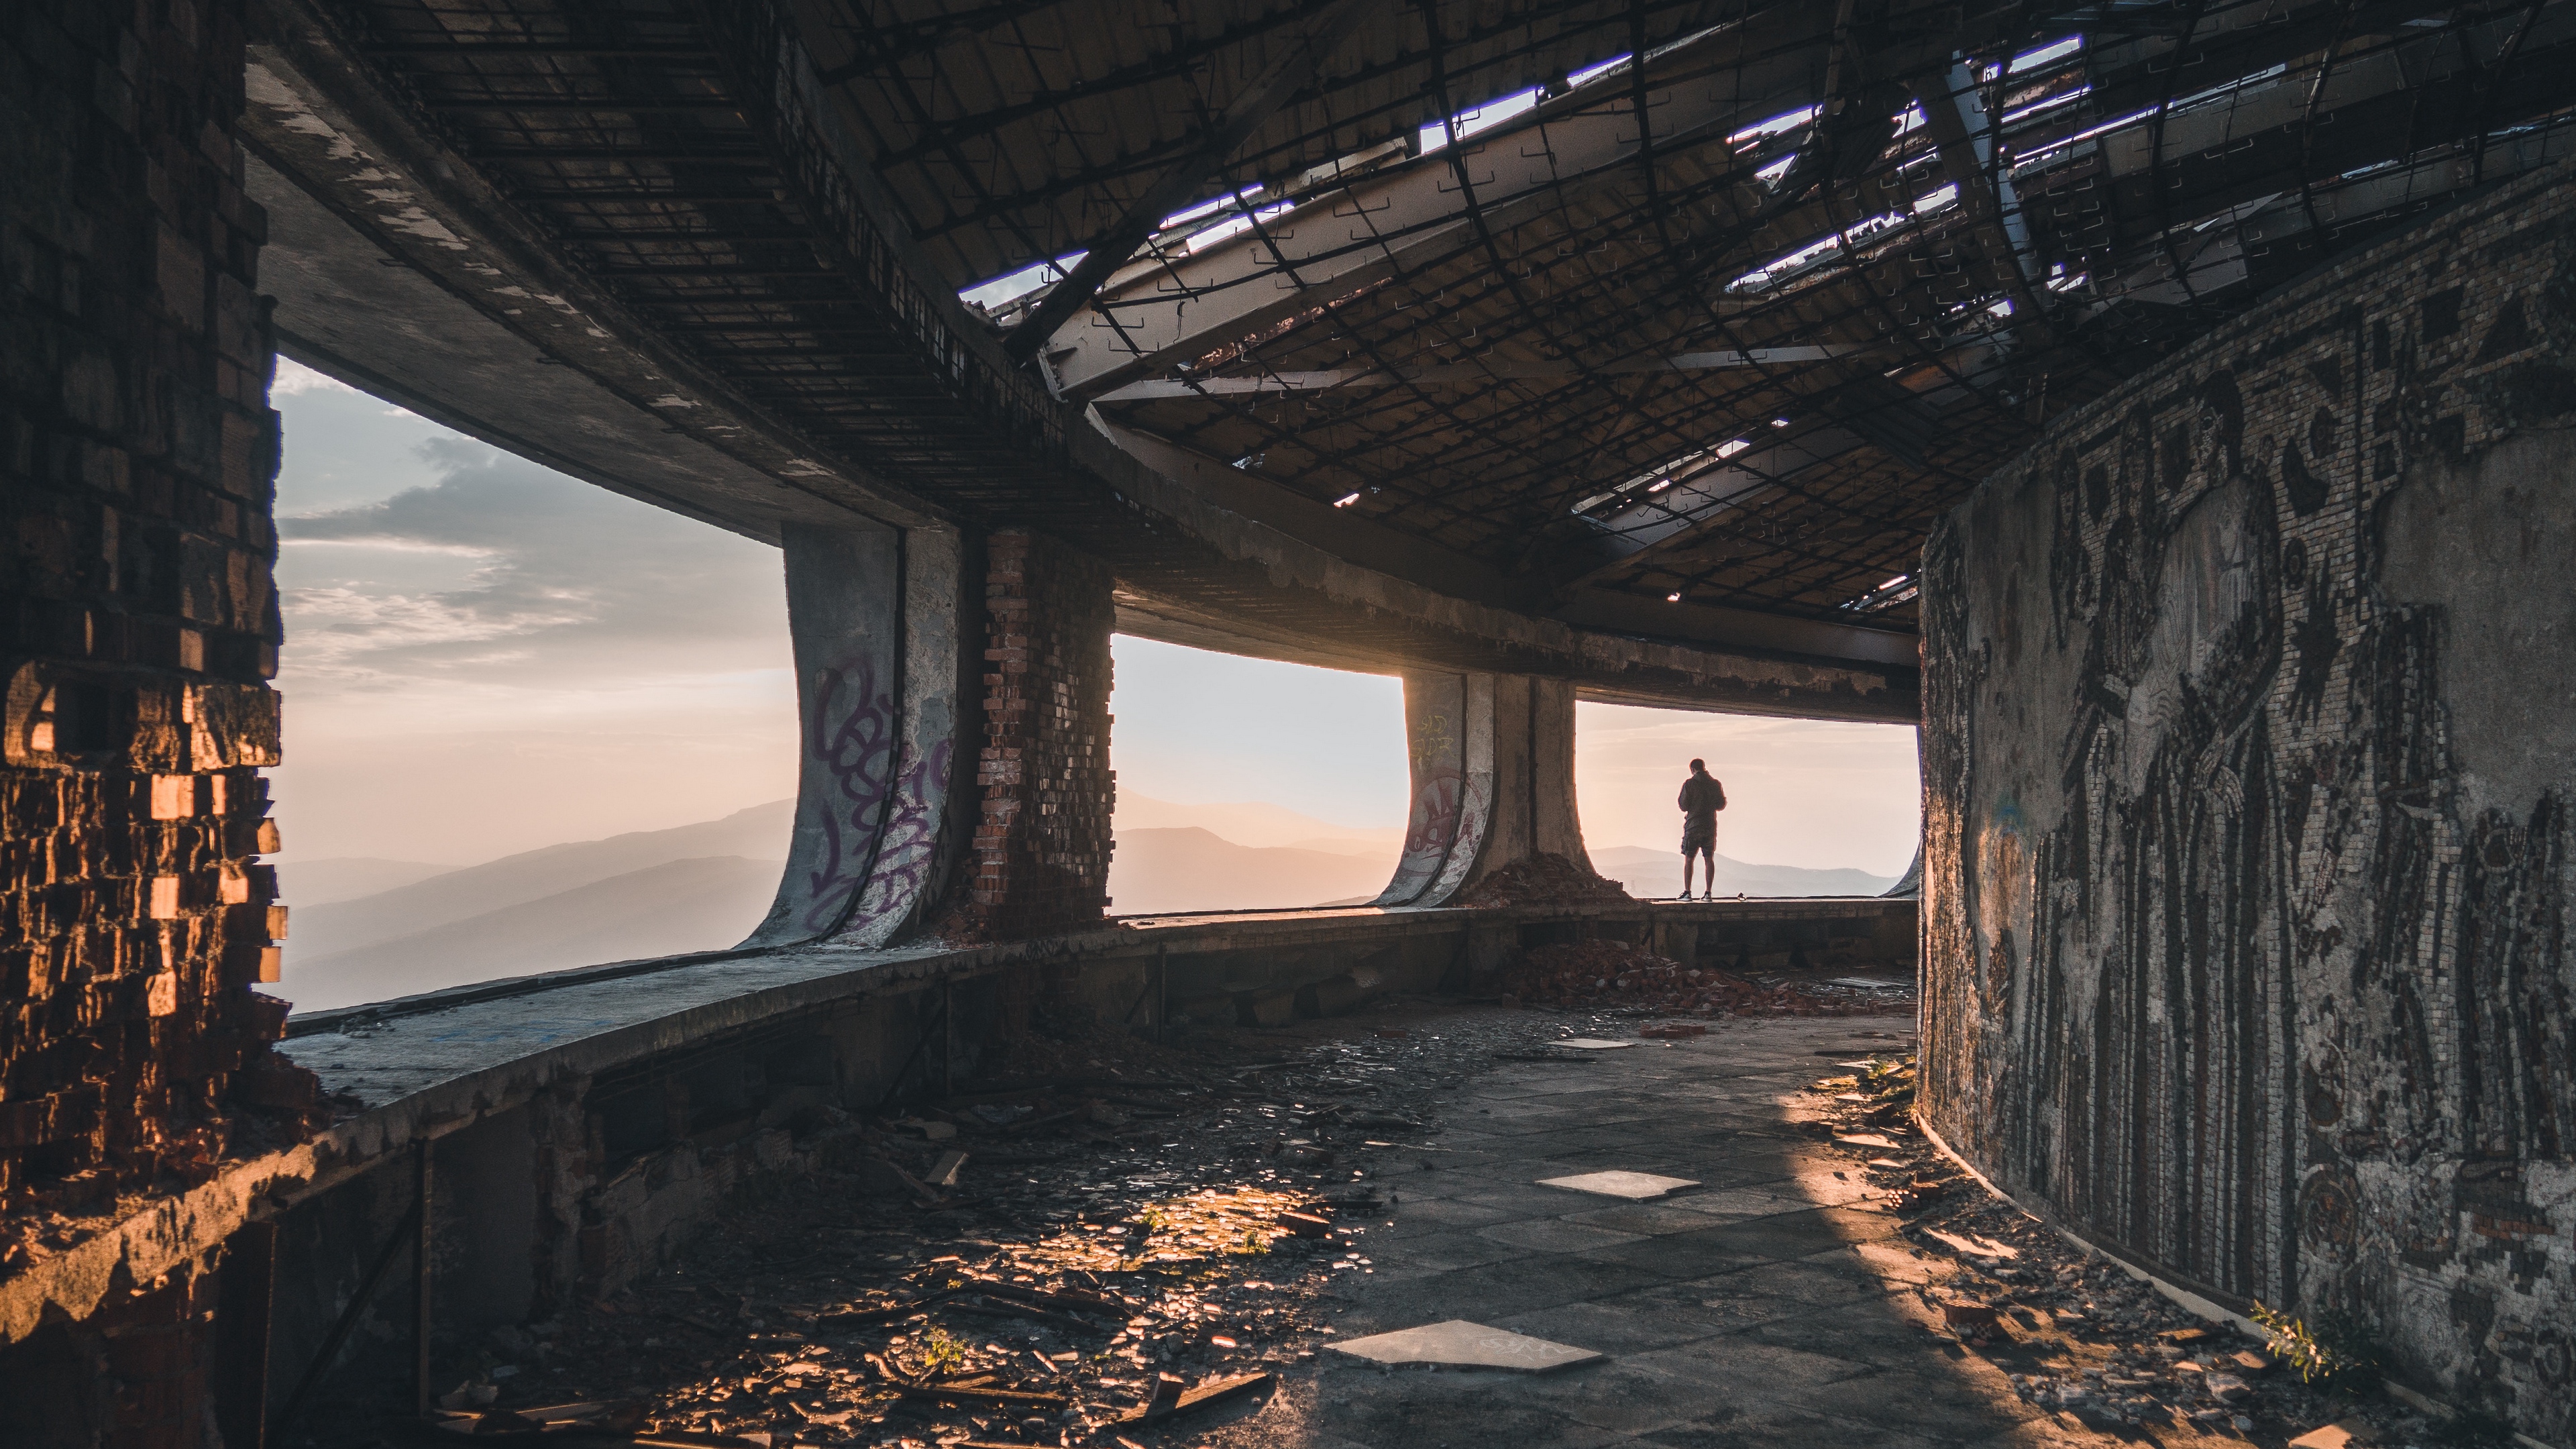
column 939, row 1352
column 2335, row 1350
column 1254, row 1242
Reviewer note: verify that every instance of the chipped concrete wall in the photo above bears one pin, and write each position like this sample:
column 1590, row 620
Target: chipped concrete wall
column 138, row 624
column 2249, row 765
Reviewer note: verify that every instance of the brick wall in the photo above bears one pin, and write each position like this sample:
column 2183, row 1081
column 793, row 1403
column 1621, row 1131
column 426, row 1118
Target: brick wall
column 138, row 624
column 1041, row 854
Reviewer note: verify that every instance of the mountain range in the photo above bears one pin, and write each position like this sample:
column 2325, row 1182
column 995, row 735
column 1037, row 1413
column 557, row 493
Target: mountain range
column 364, row 929
column 1655, row 875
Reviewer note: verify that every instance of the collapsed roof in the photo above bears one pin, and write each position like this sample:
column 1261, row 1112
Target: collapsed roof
column 1425, row 263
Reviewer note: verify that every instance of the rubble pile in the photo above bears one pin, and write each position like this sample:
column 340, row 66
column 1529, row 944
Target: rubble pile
column 2074, row 1331
column 1544, row 879
column 1613, row 975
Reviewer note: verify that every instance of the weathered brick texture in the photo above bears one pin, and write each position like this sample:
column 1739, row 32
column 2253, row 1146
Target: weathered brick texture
column 138, row 624
column 1041, row 855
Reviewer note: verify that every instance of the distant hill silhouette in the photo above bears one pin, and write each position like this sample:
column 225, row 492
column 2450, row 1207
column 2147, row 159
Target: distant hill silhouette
column 310, row 883
column 704, row 886
column 1191, row 868
column 1650, row 874
column 759, row 833
column 662, row 910
column 1256, row 823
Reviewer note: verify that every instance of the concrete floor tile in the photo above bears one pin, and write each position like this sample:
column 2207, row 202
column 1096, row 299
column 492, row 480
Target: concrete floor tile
column 1746, row 1365
column 1628, row 1323
column 1441, row 1252
column 1419, row 1409
column 1780, row 1236
column 1556, row 1235
column 1522, row 1198
column 1647, row 1219
column 1461, row 1344
column 1767, row 1425
column 1629, row 1395
column 1518, row 1283
column 1441, row 1213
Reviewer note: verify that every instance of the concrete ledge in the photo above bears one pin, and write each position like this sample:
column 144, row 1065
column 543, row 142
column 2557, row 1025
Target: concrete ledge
column 423, row 1068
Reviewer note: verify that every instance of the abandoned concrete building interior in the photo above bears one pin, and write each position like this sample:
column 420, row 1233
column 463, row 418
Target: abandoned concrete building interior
column 2163, row 405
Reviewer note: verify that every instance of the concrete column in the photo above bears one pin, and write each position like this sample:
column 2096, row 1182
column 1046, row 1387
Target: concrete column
column 1493, row 781
column 874, row 613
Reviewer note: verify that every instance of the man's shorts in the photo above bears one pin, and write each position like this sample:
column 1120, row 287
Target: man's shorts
column 1698, row 835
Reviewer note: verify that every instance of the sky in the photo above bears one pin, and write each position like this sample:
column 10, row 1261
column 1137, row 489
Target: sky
column 484, row 656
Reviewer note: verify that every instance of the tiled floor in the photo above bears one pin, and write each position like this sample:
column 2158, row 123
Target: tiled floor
column 1771, row 1306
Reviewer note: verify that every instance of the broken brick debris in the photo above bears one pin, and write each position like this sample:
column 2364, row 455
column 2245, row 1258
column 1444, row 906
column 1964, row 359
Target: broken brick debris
column 1542, row 879
column 1591, row 975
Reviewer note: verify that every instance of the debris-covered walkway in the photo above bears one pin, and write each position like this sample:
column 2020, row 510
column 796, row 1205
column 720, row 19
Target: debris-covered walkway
column 1312, row 1236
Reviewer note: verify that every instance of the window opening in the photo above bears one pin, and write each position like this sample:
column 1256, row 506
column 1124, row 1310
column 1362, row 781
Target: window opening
column 1814, row 807
column 531, row 724
column 1250, row 784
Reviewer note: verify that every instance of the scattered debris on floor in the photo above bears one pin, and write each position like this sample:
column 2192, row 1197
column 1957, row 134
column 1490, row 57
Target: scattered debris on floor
column 1598, row 975
column 2074, row 1331
column 1460, row 1344
column 1111, row 1239
column 1544, row 879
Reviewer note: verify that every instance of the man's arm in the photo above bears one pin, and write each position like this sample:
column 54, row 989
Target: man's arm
column 1721, row 791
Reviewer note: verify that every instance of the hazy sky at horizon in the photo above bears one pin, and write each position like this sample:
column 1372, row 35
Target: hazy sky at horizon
column 484, row 656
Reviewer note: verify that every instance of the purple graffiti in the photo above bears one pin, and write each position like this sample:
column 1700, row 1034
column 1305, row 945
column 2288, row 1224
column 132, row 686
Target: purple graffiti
column 909, row 843
column 1436, row 805
column 856, row 755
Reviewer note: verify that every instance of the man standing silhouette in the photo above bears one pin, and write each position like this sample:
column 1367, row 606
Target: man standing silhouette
column 1702, row 798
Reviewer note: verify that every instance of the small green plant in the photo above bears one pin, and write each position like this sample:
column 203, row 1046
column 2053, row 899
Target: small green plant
column 2335, row 1350
column 1254, row 1242
column 1152, row 1220
column 939, row 1352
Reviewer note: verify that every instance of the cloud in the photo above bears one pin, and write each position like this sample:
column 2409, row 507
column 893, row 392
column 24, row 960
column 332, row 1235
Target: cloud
column 503, row 573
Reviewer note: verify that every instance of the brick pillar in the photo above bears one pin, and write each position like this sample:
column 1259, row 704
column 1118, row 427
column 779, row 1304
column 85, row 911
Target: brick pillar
column 138, row 625
column 1040, row 861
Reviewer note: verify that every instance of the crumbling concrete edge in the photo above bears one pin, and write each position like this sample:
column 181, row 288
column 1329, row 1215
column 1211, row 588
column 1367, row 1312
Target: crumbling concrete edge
column 2182, row 1297
column 170, row 1231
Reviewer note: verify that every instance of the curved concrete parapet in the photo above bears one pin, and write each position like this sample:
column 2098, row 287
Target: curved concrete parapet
column 2247, row 766
column 573, row 1154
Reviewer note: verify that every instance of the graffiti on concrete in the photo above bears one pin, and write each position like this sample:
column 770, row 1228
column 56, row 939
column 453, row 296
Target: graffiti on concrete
column 907, row 848
column 851, row 742
column 1434, row 705
column 2247, row 861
